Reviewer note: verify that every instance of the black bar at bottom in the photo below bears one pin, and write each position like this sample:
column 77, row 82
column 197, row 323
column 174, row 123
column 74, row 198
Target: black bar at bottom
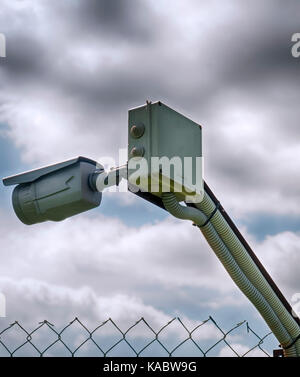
column 132, row 366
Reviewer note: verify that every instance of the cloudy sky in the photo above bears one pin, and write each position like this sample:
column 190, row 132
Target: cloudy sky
column 72, row 71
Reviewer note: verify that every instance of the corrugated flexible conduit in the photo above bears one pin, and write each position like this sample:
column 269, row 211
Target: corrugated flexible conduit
column 240, row 267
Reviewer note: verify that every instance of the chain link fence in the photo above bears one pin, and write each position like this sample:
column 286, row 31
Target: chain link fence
column 175, row 338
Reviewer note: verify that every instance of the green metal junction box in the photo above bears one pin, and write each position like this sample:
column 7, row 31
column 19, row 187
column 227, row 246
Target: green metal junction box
column 164, row 152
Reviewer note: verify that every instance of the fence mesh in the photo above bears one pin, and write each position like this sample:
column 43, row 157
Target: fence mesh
column 140, row 339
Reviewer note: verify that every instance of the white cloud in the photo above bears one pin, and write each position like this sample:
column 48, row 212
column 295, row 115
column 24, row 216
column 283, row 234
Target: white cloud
column 40, row 300
column 241, row 350
column 99, row 251
column 110, row 259
column 281, row 255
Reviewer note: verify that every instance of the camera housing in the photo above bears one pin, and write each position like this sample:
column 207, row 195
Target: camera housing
column 54, row 192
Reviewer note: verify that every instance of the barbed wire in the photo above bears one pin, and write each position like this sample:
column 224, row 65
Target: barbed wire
column 24, row 342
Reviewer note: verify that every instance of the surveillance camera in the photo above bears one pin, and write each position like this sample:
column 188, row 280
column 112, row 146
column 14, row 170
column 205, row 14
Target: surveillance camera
column 54, row 192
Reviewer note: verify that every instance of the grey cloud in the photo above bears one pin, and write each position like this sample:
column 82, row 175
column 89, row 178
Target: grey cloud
column 237, row 55
column 120, row 19
column 41, row 58
column 241, row 61
column 26, row 59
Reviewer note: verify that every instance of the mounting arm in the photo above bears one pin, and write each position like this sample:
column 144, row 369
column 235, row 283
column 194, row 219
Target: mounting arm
column 240, row 262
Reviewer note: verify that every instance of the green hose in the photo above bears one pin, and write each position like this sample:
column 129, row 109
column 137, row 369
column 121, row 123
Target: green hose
column 250, row 268
column 241, row 268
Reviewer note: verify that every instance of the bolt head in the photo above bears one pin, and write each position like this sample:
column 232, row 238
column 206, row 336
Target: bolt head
column 137, row 130
column 137, row 152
